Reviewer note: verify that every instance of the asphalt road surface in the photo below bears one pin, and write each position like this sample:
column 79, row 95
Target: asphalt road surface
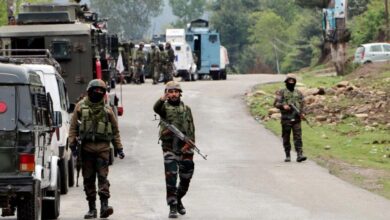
column 244, row 177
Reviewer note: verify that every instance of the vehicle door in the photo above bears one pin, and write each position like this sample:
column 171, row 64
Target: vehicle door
column 386, row 51
column 376, row 53
column 8, row 117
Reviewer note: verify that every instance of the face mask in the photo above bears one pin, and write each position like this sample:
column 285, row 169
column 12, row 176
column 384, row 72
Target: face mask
column 290, row 86
column 95, row 97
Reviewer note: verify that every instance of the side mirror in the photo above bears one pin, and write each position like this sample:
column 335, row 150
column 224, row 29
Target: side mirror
column 71, row 108
column 57, row 119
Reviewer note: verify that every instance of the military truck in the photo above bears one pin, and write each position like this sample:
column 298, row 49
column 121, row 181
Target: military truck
column 76, row 38
column 29, row 172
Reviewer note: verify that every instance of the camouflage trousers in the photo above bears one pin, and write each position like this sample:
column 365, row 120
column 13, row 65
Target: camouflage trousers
column 175, row 164
column 295, row 127
column 166, row 70
column 96, row 164
column 155, row 72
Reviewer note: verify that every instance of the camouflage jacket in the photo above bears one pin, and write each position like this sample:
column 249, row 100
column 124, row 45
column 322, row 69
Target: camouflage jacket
column 97, row 145
column 154, row 56
column 286, row 97
column 180, row 116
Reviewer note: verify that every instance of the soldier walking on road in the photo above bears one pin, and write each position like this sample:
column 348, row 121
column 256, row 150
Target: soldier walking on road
column 155, row 63
column 139, row 64
column 171, row 58
column 178, row 156
column 95, row 125
column 164, row 64
column 287, row 100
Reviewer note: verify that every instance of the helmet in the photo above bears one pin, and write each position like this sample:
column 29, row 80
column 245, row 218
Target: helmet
column 173, row 85
column 141, row 44
column 290, row 76
column 167, row 44
column 96, row 83
column 152, row 45
column 161, row 47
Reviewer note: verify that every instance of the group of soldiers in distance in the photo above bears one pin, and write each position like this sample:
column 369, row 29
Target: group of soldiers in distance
column 160, row 62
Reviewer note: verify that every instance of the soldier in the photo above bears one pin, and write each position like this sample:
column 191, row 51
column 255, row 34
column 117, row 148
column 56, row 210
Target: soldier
column 95, row 124
column 171, row 58
column 178, row 156
column 164, row 64
column 130, row 61
column 291, row 119
column 154, row 63
column 139, row 63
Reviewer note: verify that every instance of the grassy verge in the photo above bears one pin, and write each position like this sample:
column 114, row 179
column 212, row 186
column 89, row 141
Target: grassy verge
column 350, row 149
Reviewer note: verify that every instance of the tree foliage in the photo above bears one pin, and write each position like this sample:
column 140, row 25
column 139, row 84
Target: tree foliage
column 129, row 18
column 4, row 11
column 186, row 11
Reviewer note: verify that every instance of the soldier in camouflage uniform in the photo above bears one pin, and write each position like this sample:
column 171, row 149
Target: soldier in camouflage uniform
column 178, row 156
column 95, row 124
column 139, row 63
column 164, row 64
column 154, row 63
column 171, row 58
column 291, row 120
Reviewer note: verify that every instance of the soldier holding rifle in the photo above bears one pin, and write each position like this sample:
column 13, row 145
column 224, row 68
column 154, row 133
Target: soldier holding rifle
column 290, row 102
column 178, row 154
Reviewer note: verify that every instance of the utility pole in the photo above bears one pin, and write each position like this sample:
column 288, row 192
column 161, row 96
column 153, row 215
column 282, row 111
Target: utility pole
column 387, row 20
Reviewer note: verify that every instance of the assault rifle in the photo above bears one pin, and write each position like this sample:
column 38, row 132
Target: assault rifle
column 182, row 137
column 296, row 110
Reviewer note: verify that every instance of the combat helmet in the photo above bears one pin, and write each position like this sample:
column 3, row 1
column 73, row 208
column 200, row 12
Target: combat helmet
column 96, row 83
column 173, row 85
column 291, row 76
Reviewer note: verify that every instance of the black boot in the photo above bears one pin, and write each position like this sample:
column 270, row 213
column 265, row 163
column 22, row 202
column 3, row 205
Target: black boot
column 92, row 213
column 300, row 157
column 180, row 207
column 105, row 210
column 288, row 157
column 172, row 211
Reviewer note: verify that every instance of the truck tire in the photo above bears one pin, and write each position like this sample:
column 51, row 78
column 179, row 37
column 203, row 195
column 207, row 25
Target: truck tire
column 223, row 75
column 51, row 207
column 63, row 168
column 30, row 207
column 71, row 171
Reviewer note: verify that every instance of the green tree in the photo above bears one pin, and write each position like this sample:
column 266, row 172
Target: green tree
column 129, row 18
column 368, row 26
column 186, row 11
column 267, row 28
column 4, row 11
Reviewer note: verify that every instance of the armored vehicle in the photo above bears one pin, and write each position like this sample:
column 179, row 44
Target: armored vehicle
column 76, row 38
column 29, row 176
column 205, row 44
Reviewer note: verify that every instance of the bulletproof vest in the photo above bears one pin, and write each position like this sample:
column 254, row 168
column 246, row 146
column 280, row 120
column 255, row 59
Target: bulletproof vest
column 289, row 98
column 95, row 124
column 140, row 56
column 178, row 116
column 154, row 55
column 164, row 57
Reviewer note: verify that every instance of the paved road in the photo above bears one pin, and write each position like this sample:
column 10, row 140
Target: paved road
column 244, row 177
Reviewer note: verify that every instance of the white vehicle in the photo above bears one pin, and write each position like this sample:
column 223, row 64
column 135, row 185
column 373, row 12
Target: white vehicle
column 224, row 61
column 371, row 53
column 55, row 86
column 184, row 61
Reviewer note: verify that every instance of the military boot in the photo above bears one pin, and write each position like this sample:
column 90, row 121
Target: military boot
column 172, row 211
column 300, row 157
column 92, row 213
column 180, row 207
column 105, row 210
column 288, row 157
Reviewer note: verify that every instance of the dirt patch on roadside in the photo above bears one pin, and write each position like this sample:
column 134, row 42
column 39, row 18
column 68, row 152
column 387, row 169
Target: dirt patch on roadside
column 366, row 178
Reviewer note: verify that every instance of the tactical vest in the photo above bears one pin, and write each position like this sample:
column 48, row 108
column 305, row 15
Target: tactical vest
column 95, row 123
column 288, row 97
column 178, row 116
column 164, row 57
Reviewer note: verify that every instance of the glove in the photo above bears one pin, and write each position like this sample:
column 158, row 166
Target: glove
column 186, row 148
column 121, row 154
